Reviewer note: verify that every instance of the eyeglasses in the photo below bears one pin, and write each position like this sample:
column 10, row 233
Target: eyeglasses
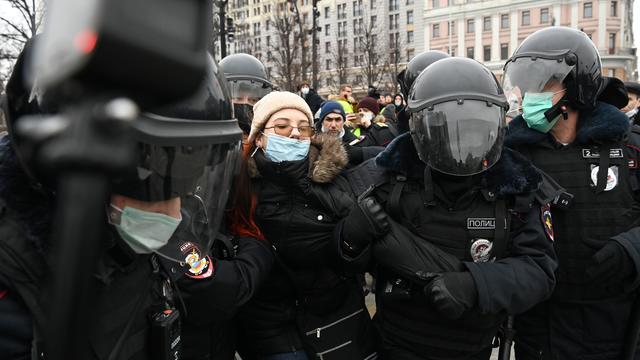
column 285, row 130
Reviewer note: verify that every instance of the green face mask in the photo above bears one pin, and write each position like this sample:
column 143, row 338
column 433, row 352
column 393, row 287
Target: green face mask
column 534, row 105
column 144, row 231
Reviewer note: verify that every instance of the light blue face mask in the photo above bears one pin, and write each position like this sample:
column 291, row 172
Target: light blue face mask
column 144, row 231
column 534, row 105
column 281, row 148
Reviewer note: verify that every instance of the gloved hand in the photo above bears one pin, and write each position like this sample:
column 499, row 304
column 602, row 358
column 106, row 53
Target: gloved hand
column 452, row 293
column 366, row 222
column 610, row 263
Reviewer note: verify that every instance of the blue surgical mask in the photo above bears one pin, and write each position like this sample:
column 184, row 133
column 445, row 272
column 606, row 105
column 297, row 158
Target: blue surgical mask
column 281, row 148
column 534, row 105
column 144, row 231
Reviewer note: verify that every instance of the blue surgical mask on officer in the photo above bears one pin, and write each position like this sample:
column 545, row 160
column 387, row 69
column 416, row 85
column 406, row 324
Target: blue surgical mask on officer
column 534, row 105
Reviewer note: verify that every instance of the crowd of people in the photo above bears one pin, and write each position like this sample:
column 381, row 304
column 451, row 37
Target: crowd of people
column 481, row 208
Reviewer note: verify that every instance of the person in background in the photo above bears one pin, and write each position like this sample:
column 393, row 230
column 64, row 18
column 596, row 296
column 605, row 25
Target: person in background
column 311, row 97
column 633, row 89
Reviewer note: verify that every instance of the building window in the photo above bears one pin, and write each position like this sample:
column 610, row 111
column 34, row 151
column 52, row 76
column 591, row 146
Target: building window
column 328, row 64
column 409, row 2
column 487, row 52
column 450, row 50
column 409, row 17
column 372, row 5
column 471, row 26
column 504, row 21
column 327, row 47
column 544, row 15
column 410, row 54
column 268, row 40
column 504, row 51
column 471, row 52
column 342, row 11
column 614, row 8
column 267, row 24
column 374, row 20
column 526, row 18
column 327, row 29
column 587, row 10
column 326, row 12
column 486, row 23
column 393, row 5
column 393, row 21
column 357, row 8
column 451, row 26
column 434, row 4
column 436, row 30
column 410, row 37
column 612, row 43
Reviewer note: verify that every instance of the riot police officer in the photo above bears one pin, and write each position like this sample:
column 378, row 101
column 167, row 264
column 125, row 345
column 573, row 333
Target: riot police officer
column 467, row 244
column 248, row 82
column 586, row 145
column 168, row 206
column 407, row 76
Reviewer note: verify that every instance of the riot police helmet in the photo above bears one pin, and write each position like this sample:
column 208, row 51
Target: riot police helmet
column 458, row 126
column 415, row 67
column 551, row 55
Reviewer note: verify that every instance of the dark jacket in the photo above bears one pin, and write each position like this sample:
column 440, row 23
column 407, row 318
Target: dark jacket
column 374, row 135
column 299, row 205
column 583, row 319
column 313, row 100
column 436, row 235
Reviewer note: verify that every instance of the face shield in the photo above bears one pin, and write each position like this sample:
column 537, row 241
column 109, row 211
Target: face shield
column 531, row 74
column 248, row 91
column 193, row 160
column 460, row 139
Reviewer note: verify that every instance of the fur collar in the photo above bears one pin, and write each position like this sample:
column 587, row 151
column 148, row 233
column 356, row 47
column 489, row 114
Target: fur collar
column 512, row 175
column 604, row 123
column 33, row 208
column 327, row 158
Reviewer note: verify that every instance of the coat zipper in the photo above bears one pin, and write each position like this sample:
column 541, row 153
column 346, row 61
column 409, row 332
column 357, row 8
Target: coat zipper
column 318, row 330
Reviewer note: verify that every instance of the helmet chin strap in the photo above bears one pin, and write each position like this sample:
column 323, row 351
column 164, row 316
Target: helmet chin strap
column 558, row 109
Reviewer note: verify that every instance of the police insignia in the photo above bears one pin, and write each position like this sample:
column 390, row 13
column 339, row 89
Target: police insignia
column 547, row 222
column 612, row 177
column 197, row 266
column 481, row 250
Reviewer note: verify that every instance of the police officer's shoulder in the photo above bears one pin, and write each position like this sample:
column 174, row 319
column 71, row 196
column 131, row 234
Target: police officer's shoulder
column 380, row 125
column 366, row 175
column 634, row 136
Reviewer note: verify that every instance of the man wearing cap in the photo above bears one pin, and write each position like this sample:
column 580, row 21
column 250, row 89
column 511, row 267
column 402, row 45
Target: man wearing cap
column 365, row 130
column 332, row 119
column 633, row 89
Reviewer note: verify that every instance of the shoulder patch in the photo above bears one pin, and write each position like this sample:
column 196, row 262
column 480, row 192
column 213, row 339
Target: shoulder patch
column 195, row 265
column 547, row 222
column 383, row 125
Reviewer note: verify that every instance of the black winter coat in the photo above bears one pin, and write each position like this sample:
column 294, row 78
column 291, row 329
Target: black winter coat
column 585, row 319
column 299, row 205
column 440, row 236
column 313, row 100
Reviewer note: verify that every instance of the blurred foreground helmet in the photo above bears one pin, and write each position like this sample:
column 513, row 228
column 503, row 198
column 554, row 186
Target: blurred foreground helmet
column 190, row 150
column 550, row 55
column 415, row 67
column 458, row 126
column 247, row 78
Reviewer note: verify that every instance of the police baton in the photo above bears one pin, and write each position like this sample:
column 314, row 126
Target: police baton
column 508, row 333
column 633, row 331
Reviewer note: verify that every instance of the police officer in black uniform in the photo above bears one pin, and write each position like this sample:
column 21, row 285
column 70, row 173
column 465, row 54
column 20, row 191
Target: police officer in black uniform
column 248, row 82
column 407, row 76
column 586, row 145
column 467, row 244
column 167, row 207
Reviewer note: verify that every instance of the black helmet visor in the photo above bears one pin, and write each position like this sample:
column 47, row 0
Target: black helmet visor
column 459, row 138
column 248, row 91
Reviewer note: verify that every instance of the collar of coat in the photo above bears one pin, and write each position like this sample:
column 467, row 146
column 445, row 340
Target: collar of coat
column 604, row 123
column 327, row 159
column 512, row 175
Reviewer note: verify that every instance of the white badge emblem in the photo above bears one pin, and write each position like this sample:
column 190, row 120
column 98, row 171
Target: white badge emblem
column 612, row 178
column 481, row 250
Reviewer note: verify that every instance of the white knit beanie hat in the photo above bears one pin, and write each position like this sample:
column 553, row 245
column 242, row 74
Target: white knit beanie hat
column 271, row 104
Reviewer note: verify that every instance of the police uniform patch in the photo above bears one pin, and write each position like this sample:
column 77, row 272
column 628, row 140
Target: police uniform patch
column 481, row 223
column 612, row 177
column 633, row 163
column 196, row 265
column 481, row 250
column 357, row 141
column 595, row 154
column 547, row 222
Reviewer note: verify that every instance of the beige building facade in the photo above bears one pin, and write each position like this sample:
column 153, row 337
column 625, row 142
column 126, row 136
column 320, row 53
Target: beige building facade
column 490, row 31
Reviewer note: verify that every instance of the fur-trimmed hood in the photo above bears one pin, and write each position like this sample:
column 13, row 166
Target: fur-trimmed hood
column 512, row 175
column 604, row 123
column 327, row 158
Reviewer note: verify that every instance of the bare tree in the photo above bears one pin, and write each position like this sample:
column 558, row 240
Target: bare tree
column 286, row 49
column 302, row 39
column 340, row 58
column 16, row 30
column 371, row 60
column 392, row 65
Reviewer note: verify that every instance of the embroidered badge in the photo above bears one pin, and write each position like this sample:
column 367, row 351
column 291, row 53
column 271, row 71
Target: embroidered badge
column 612, row 177
column 595, row 154
column 197, row 265
column 481, row 223
column 481, row 250
column 547, row 222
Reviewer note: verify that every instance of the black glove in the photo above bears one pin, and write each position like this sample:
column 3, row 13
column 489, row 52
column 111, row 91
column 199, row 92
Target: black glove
column 610, row 263
column 452, row 293
column 366, row 221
